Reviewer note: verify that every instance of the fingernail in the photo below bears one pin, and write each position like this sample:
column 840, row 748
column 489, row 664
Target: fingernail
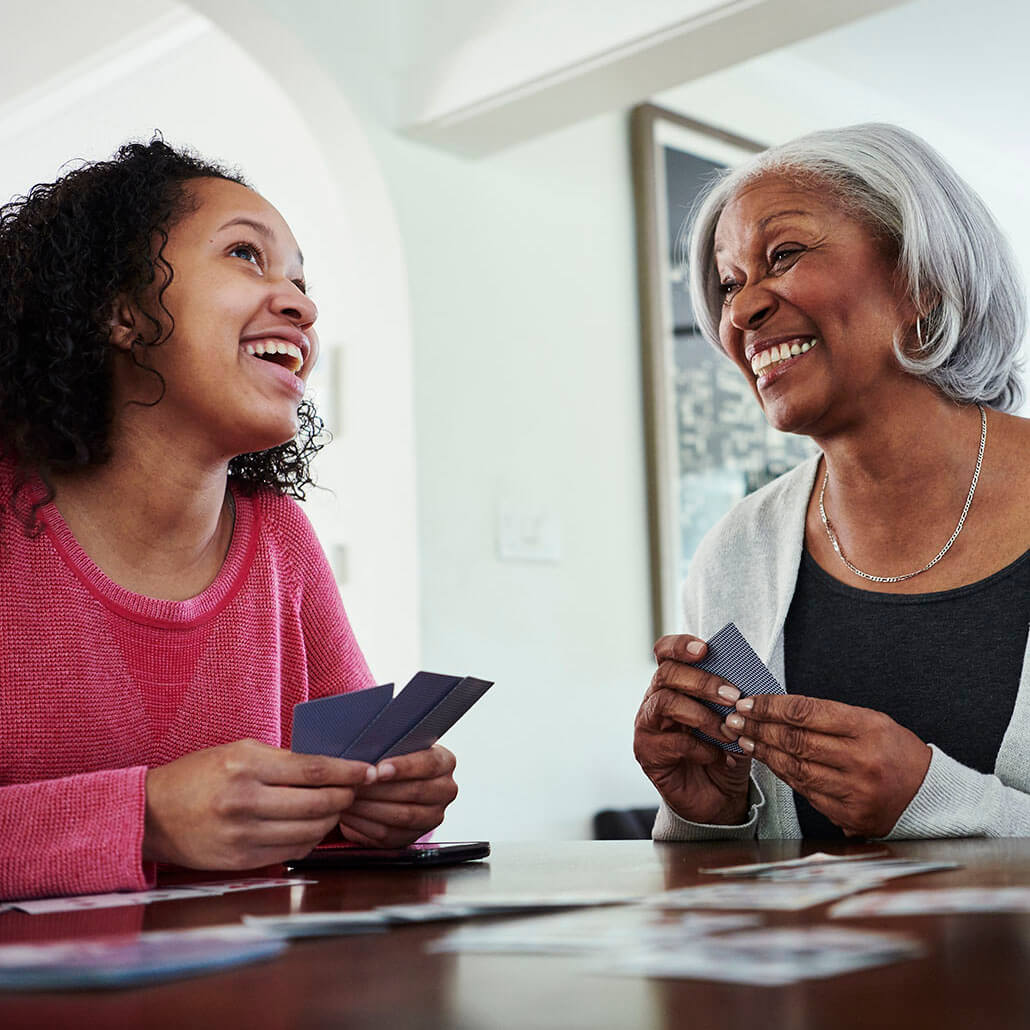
column 731, row 762
column 746, row 744
column 736, row 721
column 729, row 692
column 727, row 732
column 386, row 771
column 695, row 647
column 370, row 774
column 745, row 704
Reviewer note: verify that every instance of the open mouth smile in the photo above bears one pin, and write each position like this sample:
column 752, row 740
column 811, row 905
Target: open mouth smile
column 280, row 352
column 769, row 360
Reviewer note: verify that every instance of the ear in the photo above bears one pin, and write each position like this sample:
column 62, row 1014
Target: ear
column 123, row 325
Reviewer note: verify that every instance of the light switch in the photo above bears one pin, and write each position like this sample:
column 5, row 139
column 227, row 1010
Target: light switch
column 527, row 532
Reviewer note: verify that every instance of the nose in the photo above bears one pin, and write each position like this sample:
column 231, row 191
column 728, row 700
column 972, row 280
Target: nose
column 293, row 303
column 750, row 306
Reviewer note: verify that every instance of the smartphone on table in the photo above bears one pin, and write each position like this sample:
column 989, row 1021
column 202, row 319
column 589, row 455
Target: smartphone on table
column 428, row 853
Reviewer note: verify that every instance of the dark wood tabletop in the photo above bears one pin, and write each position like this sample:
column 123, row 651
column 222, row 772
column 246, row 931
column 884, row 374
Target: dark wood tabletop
column 975, row 971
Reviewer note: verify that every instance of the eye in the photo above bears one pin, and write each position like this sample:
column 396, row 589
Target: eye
column 249, row 252
column 727, row 288
column 784, row 257
column 301, row 285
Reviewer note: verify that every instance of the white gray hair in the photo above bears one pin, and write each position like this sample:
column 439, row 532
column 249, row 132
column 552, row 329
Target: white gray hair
column 961, row 274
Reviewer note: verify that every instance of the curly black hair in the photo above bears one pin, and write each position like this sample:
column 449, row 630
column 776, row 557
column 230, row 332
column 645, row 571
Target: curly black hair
column 68, row 250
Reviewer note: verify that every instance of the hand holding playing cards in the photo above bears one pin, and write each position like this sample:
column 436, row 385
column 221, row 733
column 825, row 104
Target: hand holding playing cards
column 855, row 765
column 406, row 801
column 699, row 782
column 244, row 805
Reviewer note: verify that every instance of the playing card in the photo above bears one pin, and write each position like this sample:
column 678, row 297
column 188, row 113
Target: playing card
column 767, row 957
column 784, row 897
column 181, row 892
column 318, row 924
column 816, row 858
column 417, row 717
column 131, row 960
column 587, row 932
column 942, row 901
column 329, row 725
column 732, row 658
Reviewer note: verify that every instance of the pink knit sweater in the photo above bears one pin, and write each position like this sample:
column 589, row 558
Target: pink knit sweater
column 97, row 684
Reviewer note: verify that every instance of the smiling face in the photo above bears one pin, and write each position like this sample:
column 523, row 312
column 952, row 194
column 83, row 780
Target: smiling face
column 811, row 305
column 242, row 347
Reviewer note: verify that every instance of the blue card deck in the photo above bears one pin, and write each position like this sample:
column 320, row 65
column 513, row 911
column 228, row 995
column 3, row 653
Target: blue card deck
column 732, row 658
column 370, row 725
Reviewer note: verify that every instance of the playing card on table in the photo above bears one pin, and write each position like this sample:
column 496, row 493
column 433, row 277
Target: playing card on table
column 587, row 932
column 131, row 960
column 942, row 901
column 783, row 897
column 318, row 924
column 181, row 892
column 767, row 957
column 733, row 659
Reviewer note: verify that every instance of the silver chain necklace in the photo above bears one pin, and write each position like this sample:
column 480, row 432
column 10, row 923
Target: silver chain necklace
column 943, row 551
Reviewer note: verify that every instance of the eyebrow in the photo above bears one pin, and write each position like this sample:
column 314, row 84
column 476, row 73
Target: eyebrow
column 763, row 223
column 259, row 227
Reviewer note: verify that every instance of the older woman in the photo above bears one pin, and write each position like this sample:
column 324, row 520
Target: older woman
column 869, row 298
column 164, row 602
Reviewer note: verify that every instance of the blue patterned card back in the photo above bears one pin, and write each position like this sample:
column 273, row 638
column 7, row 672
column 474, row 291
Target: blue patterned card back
column 733, row 659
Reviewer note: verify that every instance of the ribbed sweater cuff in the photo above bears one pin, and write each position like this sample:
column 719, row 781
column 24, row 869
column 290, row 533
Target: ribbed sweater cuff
column 951, row 802
column 75, row 835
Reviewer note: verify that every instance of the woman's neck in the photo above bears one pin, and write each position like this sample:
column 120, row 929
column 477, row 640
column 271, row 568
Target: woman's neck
column 897, row 480
column 154, row 519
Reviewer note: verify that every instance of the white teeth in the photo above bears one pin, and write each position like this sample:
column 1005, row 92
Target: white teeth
column 260, row 349
column 780, row 352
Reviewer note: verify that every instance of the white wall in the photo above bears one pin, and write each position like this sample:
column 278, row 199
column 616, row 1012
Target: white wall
column 180, row 74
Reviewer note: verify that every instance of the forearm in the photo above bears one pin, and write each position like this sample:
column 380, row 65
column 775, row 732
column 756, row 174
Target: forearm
column 75, row 835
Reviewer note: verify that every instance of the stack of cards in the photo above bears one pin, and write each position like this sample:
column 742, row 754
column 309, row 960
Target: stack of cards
column 370, row 725
column 733, row 659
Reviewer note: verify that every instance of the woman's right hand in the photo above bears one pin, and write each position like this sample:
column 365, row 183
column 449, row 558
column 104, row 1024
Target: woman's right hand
column 244, row 805
column 700, row 782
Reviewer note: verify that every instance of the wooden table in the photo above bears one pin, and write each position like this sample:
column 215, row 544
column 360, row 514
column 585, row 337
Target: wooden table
column 976, row 971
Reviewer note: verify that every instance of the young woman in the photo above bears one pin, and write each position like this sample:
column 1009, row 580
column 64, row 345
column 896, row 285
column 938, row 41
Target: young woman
column 164, row 603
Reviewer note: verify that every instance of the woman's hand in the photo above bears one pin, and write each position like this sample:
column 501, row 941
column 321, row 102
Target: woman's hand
column 855, row 765
column 244, row 805
column 699, row 781
column 406, row 801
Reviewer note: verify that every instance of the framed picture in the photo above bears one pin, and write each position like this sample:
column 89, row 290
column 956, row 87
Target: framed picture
column 708, row 443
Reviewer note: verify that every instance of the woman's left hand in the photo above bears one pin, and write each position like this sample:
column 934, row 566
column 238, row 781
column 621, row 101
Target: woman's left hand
column 407, row 800
column 855, row 765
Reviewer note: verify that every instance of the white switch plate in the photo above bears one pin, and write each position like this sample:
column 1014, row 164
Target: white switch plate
column 527, row 532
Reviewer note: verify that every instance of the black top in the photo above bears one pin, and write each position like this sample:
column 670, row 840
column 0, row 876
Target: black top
column 945, row 665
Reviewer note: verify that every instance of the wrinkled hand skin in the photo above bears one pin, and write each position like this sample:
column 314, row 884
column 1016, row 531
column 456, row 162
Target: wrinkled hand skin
column 855, row 765
column 408, row 799
column 245, row 805
column 700, row 782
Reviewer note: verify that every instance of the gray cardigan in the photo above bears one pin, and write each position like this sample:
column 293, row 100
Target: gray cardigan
column 745, row 570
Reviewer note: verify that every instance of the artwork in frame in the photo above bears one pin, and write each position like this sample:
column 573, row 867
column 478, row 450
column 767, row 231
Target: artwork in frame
column 708, row 443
